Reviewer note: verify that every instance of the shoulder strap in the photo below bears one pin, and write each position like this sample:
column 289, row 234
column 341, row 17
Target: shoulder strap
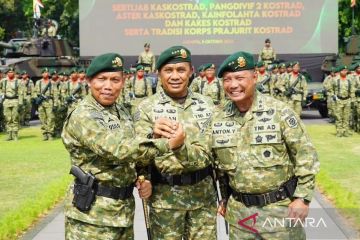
column 338, row 86
column 349, row 87
column 145, row 85
column 202, row 85
column 218, row 86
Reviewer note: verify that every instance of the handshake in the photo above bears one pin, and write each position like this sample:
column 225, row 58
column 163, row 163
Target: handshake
column 172, row 130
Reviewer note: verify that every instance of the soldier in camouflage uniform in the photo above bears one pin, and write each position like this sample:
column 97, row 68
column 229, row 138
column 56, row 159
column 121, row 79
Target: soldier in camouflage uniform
column 327, row 84
column 211, row 86
column 296, row 88
column 356, row 105
column 28, row 88
column 44, row 89
column 2, row 119
column 265, row 158
column 11, row 91
column 140, row 87
column 100, row 138
column 263, row 82
column 343, row 93
column 195, row 84
column 267, row 54
column 72, row 91
column 56, row 85
column 183, row 204
column 147, row 59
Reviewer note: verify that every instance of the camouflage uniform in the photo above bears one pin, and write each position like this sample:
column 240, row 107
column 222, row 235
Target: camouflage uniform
column 57, row 110
column 140, row 89
column 259, row 151
column 343, row 92
column 267, row 55
column 300, row 91
column 178, row 211
column 264, row 82
column 274, row 82
column 214, row 90
column 195, row 84
column 13, row 99
column 25, row 114
column 356, row 84
column 72, row 93
column 101, row 140
column 147, row 59
column 46, row 108
column 327, row 84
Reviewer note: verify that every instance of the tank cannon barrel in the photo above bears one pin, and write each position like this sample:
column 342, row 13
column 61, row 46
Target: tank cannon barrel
column 7, row 46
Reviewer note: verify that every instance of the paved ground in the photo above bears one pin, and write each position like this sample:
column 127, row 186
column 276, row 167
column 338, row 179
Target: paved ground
column 323, row 223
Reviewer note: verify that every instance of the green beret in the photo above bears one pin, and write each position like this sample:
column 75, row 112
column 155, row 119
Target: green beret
column 24, row 72
column 267, row 40
column 273, row 67
column 10, row 69
column 281, row 65
column 147, row 45
column 288, row 64
column 81, row 70
column 260, row 64
column 140, row 67
column 201, row 68
column 53, row 71
column 342, row 67
column 73, row 70
column 354, row 66
column 109, row 62
column 132, row 70
column 237, row 62
column 208, row 65
column 175, row 54
column 294, row 63
column 126, row 71
column 45, row 69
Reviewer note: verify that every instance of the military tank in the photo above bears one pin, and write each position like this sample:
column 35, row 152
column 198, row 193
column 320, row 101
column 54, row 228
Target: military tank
column 351, row 55
column 36, row 53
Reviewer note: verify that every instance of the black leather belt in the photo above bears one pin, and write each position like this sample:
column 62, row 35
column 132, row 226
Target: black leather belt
column 343, row 98
column 115, row 192
column 181, row 180
column 13, row 97
column 286, row 190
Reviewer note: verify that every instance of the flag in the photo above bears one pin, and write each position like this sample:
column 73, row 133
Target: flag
column 353, row 3
column 37, row 4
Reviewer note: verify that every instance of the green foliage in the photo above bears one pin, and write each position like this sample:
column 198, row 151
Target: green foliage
column 345, row 21
column 34, row 177
column 2, row 33
column 18, row 15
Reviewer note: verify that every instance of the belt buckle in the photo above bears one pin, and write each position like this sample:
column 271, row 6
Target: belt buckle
column 267, row 198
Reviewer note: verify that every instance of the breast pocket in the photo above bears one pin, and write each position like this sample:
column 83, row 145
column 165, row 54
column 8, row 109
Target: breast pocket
column 268, row 155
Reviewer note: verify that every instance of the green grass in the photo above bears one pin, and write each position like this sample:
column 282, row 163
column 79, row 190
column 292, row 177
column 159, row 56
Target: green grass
column 339, row 176
column 33, row 178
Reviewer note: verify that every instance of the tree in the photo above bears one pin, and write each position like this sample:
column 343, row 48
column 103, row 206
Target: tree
column 345, row 21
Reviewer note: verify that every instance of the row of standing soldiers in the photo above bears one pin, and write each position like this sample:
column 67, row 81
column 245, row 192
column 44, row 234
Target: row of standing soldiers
column 56, row 94
column 283, row 81
column 342, row 87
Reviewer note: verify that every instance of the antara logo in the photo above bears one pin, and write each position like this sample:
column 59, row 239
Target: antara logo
column 250, row 226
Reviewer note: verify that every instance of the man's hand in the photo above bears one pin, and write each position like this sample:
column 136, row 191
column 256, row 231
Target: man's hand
column 222, row 208
column 298, row 209
column 164, row 127
column 144, row 188
column 178, row 138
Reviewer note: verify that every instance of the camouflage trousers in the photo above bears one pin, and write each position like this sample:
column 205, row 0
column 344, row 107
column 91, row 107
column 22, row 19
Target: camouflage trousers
column 172, row 224
column 47, row 117
column 342, row 116
column 78, row 230
column 25, row 113
column 330, row 106
column 293, row 233
column 11, row 115
column 60, row 115
column 296, row 106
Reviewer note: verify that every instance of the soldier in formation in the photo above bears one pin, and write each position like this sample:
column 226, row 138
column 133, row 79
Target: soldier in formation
column 147, row 59
column 267, row 54
column 11, row 93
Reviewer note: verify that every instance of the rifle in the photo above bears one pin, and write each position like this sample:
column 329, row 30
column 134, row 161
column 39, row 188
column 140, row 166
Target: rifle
column 84, row 189
column 261, row 85
column 146, row 212
column 70, row 99
column 291, row 90
column 42, row 97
